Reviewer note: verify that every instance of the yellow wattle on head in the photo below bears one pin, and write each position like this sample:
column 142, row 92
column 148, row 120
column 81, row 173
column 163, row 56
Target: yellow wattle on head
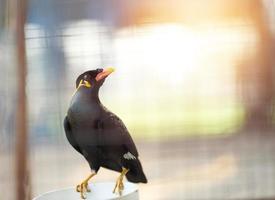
column 84, row 83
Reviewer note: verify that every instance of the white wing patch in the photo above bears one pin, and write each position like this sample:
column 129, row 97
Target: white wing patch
column 129, row 156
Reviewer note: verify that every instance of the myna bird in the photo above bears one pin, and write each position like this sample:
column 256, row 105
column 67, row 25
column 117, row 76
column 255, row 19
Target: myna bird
column 99, row 135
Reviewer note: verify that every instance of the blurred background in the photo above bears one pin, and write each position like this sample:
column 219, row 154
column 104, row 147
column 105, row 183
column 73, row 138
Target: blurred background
column 194, row 84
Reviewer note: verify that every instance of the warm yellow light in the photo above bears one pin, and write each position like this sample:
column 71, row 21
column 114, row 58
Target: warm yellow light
column 175, row 52
column 168, row 50
column 171, row 78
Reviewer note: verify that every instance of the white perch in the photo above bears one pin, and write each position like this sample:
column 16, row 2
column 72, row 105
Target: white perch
column 99, row 191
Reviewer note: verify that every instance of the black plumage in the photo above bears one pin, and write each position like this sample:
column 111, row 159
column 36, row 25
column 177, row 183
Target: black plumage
column 98, row 134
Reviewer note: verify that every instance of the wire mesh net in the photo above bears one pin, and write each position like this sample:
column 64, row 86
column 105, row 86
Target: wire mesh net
column 194, row 90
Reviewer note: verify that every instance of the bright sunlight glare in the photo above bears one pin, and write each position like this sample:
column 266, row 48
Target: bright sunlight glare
column 168, row 74
column 174, row 52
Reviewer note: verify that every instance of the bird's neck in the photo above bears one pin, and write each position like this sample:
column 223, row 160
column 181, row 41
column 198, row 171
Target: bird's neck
column 94, row 95
column 95, row 99
column 90, row 95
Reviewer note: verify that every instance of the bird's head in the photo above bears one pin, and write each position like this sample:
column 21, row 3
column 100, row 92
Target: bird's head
column 93, row 79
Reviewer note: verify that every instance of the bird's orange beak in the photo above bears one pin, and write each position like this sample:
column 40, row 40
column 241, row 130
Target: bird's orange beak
column 104, row 73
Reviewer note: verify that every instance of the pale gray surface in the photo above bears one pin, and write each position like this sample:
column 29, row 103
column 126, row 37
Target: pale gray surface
column 100, row 191
column 240, row 166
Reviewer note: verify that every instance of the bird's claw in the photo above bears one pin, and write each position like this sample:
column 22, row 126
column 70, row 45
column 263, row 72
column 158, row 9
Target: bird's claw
column 119, row 183
column 119, row 186
column 78, row 188
column 83, row 188
column 87, row 188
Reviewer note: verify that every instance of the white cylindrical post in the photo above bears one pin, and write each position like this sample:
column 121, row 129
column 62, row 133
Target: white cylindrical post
column 99, row 191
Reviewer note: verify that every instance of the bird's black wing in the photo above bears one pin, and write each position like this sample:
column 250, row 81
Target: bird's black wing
column 120, row 132
column 69, row 135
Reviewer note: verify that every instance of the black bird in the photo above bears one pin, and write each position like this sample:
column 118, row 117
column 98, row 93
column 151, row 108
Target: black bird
column 99, row 135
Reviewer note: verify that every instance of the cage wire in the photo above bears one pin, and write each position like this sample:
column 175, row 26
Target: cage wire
column 195, row 91
column 7, row 110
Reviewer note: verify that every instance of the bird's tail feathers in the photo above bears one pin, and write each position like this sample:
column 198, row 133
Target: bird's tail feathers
column 140, row 178
column 136, row 174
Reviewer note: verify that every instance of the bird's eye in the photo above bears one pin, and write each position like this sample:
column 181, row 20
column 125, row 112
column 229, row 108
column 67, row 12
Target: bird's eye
column 99, row 70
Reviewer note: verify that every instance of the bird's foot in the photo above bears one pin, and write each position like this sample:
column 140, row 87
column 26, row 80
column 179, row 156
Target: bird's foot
column 84, row 187
column 119, row 183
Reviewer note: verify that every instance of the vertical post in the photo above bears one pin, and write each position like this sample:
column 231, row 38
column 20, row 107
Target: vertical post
column 21, row 115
